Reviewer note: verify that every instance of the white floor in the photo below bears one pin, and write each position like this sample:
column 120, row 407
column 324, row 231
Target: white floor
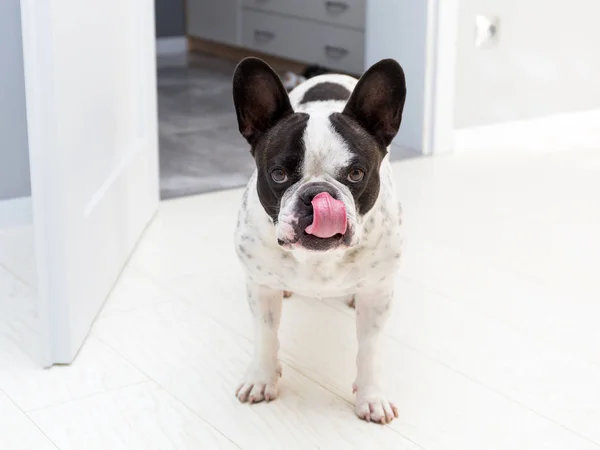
column 494, row 344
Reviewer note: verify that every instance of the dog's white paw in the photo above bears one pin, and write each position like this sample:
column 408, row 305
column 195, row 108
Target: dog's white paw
column 260, row 383
column 373, row 406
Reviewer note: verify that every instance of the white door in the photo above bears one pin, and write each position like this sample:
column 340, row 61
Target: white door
column 92, row 123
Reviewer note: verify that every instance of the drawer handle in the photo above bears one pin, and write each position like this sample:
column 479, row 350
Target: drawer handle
column 336, row 7
column 263, row 36
column 335, row 52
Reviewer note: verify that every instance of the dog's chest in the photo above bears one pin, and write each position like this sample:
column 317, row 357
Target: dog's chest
column 329, row 274
column 318, row 276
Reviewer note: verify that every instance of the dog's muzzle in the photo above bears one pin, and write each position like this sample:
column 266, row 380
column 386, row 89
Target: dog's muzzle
column 319, row 220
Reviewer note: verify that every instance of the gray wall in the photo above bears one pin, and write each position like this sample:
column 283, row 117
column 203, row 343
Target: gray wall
column 14, row 150
column 398, row 29
column 547, row 61
column 170, row 18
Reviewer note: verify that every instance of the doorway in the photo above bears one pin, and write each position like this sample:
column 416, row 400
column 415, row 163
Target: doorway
column 198, row 47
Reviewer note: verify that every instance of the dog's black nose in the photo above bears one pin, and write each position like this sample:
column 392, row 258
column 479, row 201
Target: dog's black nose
column 311, row 190
column 280, row 241
column 307, row 197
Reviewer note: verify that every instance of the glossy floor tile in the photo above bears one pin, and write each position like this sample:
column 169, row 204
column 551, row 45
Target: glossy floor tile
column 97, row 368
column 18, row 313
column 493, row 343
column 144, row 416
column 17, row 431
column 17, row 253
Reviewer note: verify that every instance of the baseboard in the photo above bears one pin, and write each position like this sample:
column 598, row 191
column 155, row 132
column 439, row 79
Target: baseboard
column 569, row 131
column 15, row 212
column 172, row 45
column 235, row 54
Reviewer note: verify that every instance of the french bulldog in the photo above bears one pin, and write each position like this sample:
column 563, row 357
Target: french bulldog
column 319, row 216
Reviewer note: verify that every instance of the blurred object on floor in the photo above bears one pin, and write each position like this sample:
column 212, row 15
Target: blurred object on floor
column 290, row 80
column 201, row 149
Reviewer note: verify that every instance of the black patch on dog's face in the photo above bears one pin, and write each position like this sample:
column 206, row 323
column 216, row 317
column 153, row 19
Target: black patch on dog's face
column 282, row 147
column 367, row 156
column 326, row 91
column 267, row 121
column 368, row 125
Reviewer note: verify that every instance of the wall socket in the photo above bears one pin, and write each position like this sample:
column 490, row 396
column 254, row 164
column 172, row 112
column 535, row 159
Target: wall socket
column 486, row 31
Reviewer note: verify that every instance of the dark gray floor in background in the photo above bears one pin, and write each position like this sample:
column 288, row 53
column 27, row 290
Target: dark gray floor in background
column 201, row 149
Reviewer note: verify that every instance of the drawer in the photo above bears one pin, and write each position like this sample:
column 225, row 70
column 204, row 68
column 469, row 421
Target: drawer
column 349, row 13
column 303, row 40
column 217, row 21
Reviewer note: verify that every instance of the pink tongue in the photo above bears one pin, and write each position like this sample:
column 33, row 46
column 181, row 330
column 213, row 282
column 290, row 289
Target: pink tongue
column 329, row 216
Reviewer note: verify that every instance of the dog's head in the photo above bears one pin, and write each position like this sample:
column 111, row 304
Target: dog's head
column 318, row 172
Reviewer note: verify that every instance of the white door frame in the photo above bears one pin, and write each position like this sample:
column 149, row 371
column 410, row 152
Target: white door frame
column 442, row 31
column 422, row 37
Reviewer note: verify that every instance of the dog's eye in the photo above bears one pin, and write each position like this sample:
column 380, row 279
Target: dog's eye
column 279, row 176
column 356, row 175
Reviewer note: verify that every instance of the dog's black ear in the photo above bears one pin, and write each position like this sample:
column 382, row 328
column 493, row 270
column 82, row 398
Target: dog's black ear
column 378, row 100
column 259, row 97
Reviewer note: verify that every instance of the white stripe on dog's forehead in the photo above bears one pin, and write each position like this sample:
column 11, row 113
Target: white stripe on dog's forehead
column 326, row 153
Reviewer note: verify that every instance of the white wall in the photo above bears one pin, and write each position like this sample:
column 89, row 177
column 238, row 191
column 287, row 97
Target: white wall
column 14, row 154
column 547, row 61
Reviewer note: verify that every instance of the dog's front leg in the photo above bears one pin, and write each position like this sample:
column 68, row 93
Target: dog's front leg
column 372, row 312
column 260, row 381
